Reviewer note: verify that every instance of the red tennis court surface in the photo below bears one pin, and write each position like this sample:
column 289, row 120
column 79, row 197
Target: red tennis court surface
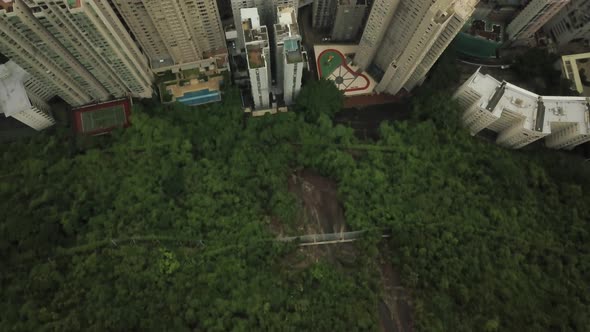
column 332, row 65
column 102, row 118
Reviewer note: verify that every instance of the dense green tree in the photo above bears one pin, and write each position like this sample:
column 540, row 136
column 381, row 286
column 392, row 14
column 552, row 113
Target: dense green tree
column 164, row 225
column 319, row 97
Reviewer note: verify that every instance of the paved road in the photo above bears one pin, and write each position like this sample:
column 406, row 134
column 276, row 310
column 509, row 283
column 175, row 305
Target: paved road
column 309, row 38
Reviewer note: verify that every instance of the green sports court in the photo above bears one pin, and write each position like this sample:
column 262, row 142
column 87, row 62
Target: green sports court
column 101, row 118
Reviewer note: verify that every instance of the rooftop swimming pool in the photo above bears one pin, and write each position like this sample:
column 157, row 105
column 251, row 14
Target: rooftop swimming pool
column 200, row 97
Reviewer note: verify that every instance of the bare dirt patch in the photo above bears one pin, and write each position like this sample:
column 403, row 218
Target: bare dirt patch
column 321, row 213
column 396, row 299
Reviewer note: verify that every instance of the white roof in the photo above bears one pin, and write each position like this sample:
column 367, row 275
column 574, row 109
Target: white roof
column 286, row 15
column 13, row 96
column 252, row 14
column 551, row 110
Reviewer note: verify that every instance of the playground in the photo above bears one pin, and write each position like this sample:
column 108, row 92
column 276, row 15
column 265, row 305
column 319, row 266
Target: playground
column 334, row 65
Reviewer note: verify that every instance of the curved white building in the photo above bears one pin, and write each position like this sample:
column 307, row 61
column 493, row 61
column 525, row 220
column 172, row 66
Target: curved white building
column 521, row 117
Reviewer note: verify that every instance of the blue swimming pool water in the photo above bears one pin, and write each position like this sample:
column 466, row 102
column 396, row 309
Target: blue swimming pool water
column 200, row 97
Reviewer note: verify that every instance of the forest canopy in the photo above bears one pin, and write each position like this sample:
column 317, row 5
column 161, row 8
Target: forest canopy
column 165, row 225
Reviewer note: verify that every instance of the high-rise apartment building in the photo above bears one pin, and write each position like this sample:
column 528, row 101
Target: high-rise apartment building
column 173, row 32
column 77, row 49
column 343, row 19
column 267, row 10
column 533, row 17
column 323, row 13
column 521, row 117
column 258, row 56
column 404, row 38
column 290, row 57
column 20, row 103
column 348, row 19
column 572, row 22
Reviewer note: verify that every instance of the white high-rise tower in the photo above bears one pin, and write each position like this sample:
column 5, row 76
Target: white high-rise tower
column 258, row 57
column 173, row 32
column 404, row 38
column 78, row 50
column 290, row 57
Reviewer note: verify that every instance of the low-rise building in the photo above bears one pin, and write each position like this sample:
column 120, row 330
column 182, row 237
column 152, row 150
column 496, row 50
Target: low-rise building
column 521, row 117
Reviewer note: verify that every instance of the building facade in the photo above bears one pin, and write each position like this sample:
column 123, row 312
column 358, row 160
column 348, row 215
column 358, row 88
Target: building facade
column 533, row 17
column 172, row 32
column 348, row 20
column 19, row 102
column 323, row 13
column 257, row 56
column 521, row 117
column 77, row 50
column 224, row 7
column 403, row 39
column 267, row 10
column 571, row 23
column 290, row 57
column 571, row 66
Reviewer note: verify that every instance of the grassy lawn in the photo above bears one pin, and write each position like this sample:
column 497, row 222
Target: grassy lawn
column 191, row 73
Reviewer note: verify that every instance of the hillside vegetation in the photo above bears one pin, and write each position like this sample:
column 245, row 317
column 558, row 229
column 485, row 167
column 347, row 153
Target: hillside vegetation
column 165, row 225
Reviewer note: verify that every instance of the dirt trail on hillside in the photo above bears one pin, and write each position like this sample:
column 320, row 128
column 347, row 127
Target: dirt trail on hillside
column 395, row 297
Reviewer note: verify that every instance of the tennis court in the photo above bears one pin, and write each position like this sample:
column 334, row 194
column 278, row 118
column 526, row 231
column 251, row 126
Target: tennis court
column 104, row 118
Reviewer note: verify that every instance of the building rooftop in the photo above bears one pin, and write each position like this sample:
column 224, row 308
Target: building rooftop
column 255, row 56
column 292, row 49
column 195, row 85
column 287, row 34
column 572, row 65
column 6, row 5
column 255, row 35
column 253, row 31
column 464, row 8
column 13, row 96
column 286, row 15
column 539, row 113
